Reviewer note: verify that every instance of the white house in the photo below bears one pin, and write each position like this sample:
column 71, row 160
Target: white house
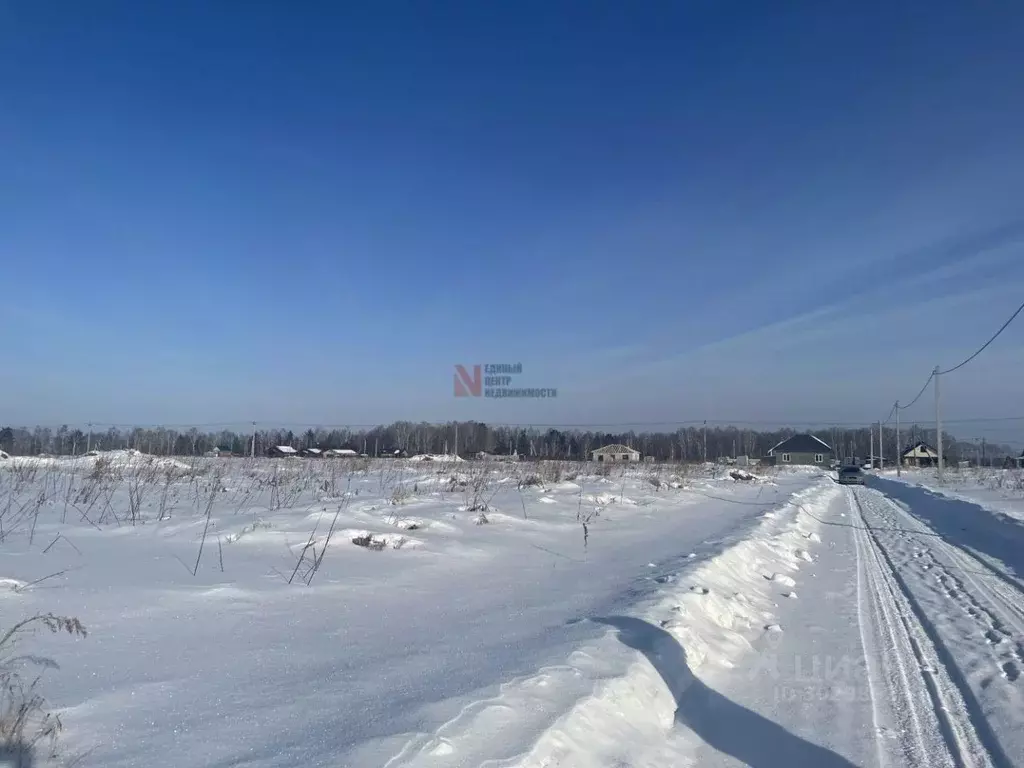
column 615, row 452
column 337, row 453
column 282, row 451
column 920, row 455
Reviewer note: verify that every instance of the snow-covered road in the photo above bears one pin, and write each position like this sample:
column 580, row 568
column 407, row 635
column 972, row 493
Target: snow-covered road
column 905, row 649
column 965, row 626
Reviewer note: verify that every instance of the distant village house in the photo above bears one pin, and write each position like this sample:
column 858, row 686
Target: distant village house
column 802, row 450
column 282, row 451
column 485, row 456
column 920, row 455
column 616, row 452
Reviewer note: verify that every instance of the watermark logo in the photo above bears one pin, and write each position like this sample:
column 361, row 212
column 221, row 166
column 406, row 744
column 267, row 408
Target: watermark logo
column 494, row 380
column 466, row 385
column 811, row 677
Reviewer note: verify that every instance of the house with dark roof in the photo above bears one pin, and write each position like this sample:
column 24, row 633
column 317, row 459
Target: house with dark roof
column 1014, row 462
column 806, row 450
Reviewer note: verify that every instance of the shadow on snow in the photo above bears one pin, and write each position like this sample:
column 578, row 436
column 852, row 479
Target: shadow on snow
column 963, row 523
column 728, row 727
column 15, row 756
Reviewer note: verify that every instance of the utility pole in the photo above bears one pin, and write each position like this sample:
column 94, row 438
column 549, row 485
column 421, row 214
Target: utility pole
column 705, row 441
column 253, row 440
column 938, row 422
column 899, row 445
column 881, row 449
column 456, row 438
column 88, row 444
column 871, row 445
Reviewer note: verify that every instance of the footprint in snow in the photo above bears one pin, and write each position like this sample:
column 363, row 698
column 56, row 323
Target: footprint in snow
column 791, row 595
column 992, row 637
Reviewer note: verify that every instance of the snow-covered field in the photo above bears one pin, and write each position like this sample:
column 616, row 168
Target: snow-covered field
column 433, row 613
column 297, row 612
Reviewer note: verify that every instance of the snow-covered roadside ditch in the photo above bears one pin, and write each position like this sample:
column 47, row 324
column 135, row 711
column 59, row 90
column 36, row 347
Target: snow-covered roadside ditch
column 615, row 700
column 998, row 490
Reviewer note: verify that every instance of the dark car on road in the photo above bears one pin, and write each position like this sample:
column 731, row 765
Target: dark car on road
column 851, row 474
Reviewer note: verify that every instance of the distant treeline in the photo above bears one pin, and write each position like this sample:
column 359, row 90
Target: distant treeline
column 684, row 444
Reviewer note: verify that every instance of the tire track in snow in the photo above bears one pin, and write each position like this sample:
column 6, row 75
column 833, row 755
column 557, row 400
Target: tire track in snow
column 966, row 737
column 996, row 614
column 895, row 700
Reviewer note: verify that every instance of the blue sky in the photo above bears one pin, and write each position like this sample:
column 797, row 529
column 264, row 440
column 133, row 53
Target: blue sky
column 221, row 211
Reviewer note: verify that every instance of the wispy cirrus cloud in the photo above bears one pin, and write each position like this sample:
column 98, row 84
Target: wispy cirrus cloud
column 868, row 326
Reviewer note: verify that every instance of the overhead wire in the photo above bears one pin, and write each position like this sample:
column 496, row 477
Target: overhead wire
column 981, row 349
column 918, row 397
column 957, row 367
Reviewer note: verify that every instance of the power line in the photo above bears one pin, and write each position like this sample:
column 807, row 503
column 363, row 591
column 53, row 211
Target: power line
column 889, row 417
column 983, row 346
column 918, row 397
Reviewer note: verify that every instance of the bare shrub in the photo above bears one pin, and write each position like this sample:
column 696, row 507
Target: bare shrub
column 215, row 487
column 531, row 480
column 399, row 495
column 101, row 469
column 477, row 493
column 318, row 557
column 551, row 471
column 584, row 518
column 457, row 483
column 25, row 717
column 140, row 478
